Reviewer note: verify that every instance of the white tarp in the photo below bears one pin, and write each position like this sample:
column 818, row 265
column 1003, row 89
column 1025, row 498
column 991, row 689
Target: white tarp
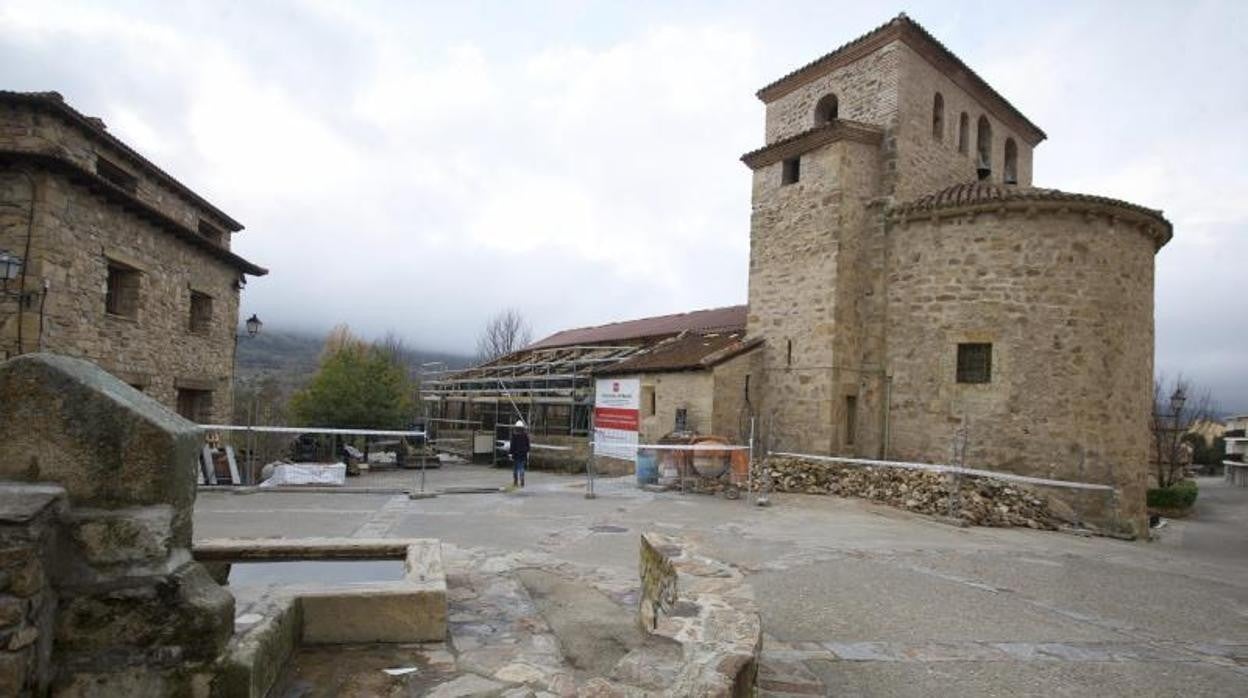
column 325, row 474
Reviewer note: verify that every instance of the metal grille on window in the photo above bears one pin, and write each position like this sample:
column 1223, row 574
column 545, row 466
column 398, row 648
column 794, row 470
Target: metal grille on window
column 974, row 363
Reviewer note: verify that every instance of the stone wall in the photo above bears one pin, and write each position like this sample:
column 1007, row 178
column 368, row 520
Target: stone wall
column 691, row 390
column 866, row 91
column 925, row 164
column 709, row 609
column 28, row 519
column 738, row 392
column 134, row 614
column 805, row 257
column 1065, row 299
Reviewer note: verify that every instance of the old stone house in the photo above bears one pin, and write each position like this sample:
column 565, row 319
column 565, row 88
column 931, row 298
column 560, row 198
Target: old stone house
column 919, row 299
column 692, row 362
column 120, row 263
column 694, row 381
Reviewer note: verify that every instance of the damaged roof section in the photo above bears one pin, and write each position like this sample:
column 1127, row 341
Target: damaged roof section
column 727, row 319
column 688, row 351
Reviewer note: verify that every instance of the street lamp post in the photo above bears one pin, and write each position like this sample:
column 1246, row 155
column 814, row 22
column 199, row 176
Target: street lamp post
column 253, row 326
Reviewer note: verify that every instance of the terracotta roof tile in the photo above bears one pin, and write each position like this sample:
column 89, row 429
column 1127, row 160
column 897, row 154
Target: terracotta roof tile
column 978, row 194
column 723, row 319
column 694, row 350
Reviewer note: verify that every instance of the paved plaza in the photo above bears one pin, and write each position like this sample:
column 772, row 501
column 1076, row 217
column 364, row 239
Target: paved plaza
column 858, row 599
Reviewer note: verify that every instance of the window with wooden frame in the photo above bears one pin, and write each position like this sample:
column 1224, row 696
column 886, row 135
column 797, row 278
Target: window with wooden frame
column 121, row 294
column 201, row 313
column 974, row 362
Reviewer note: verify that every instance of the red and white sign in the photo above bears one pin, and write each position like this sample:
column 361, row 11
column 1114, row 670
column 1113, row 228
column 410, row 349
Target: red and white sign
column 617, row 417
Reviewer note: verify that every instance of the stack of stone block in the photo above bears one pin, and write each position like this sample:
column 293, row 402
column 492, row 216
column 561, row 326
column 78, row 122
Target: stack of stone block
column 99, row 594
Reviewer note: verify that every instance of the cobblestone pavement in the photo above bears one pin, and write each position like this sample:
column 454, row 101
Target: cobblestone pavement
column 857, row 599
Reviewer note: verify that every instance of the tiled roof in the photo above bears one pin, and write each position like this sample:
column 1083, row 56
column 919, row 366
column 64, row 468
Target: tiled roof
column 95, row 126
column 811, row 138
column 725, row 319
column 900, row 27
column 693, row 350
column 976, row 194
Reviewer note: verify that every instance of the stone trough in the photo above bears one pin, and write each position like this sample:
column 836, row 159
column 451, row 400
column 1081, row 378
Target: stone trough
column 272, row 621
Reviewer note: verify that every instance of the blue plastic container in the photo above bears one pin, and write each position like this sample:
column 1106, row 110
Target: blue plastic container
column 647, row 468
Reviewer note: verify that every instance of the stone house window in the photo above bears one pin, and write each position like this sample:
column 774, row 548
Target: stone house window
column 791, row 171
column 648, row 403
column 851, row 418
column 1011, row 161
column 826, row 110
column 121, row 295
column 195, row 405
column 212, row 232
column 983, row 143
column 201, row 313
column 788, row 352
column 975, row 363
column 964, row 133
column 115, row 174
column 938, row 117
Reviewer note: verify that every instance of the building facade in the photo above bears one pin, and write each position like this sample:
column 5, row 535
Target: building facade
column 920, row 300
column 121, row 264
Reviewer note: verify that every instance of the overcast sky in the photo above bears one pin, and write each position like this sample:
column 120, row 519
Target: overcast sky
column 416, row 166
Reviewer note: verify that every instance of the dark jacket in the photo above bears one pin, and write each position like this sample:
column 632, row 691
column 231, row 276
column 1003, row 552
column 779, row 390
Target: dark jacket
column 519, row 445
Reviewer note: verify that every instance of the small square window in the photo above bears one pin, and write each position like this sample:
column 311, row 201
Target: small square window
column 791, row 171
column 195, row 405
column 974, row 363
column 201, row 312
column 116, row 175
column 212, row 232
column 121, row 296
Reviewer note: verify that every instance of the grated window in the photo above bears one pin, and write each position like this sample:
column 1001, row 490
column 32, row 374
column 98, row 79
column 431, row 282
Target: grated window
column 975, row 363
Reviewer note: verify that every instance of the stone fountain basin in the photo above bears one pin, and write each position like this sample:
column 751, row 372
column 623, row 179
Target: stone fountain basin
column 274, row 618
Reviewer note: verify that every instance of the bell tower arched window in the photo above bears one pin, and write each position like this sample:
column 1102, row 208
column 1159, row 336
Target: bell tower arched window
column 983, row 144
column 938, row 117
column 1011, row 162
column 964, row 133
column 826, row 110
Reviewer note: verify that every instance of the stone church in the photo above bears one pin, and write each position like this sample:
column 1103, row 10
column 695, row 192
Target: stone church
column 920, row 300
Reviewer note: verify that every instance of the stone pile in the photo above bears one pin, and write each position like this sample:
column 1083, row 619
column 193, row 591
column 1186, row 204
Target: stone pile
column 980, row 501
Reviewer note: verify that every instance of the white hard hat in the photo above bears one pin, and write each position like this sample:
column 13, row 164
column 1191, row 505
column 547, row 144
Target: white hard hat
column 520, row 423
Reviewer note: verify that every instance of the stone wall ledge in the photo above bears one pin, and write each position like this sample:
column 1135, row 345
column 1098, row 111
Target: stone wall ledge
column 707, row 607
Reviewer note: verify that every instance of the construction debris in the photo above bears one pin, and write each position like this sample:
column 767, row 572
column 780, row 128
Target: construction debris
column 979, row 501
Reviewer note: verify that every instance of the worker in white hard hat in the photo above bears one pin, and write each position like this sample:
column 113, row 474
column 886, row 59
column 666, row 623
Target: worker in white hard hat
column 519, row 451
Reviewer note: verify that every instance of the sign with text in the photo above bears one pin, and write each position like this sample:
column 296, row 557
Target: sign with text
column 617, row 417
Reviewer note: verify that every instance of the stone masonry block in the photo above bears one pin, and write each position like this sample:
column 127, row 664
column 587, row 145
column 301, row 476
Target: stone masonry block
column 121, row 536
column 187, row 610
column 109, row 445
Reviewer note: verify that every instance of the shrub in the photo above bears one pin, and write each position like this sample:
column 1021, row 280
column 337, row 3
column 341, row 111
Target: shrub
column 1180, row 495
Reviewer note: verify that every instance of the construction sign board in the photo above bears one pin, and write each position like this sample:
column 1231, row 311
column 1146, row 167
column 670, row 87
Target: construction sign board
column 617, row 417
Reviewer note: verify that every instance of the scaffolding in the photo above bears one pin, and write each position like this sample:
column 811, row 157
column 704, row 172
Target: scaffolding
column 550, row 389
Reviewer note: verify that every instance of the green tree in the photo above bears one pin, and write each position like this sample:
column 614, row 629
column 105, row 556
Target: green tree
column 358, row 386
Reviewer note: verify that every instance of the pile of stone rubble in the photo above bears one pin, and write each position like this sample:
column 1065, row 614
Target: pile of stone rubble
column 980, row 501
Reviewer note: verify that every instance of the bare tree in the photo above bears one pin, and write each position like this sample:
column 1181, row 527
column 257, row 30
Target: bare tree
column 1177, row 406
column 506, row 332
